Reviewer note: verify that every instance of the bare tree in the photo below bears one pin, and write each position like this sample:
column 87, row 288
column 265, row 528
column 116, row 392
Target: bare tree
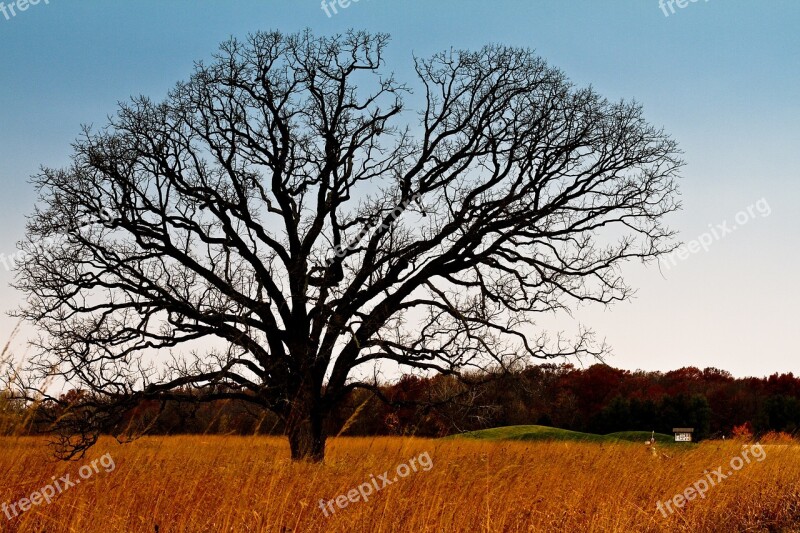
column 279, row 225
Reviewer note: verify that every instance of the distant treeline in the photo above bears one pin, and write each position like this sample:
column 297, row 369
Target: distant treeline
column 597, row 399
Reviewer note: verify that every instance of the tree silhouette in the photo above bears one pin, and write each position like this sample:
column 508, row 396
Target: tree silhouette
column 280, row 225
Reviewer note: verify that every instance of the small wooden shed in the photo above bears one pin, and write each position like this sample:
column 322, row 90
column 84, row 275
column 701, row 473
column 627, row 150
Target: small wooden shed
column 683, row 434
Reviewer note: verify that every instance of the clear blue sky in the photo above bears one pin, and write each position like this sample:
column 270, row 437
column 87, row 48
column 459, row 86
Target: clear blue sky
column 723, row 77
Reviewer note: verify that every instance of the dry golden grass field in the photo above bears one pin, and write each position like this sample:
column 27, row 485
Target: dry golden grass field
column 239, row 484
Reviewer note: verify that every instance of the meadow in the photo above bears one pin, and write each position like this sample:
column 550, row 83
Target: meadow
column 194, row 484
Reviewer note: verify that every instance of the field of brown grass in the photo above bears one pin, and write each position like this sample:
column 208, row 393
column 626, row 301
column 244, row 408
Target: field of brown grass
column 238, row 484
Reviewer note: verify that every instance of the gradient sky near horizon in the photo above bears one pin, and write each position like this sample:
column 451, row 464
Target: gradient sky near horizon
column 722, row 77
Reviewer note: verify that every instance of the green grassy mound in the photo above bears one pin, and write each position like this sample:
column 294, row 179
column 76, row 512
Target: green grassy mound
column 533, row 433
column 544, row 433
column 642, row 436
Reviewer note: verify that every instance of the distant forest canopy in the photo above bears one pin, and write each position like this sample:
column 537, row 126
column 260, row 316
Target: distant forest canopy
column 597, row 399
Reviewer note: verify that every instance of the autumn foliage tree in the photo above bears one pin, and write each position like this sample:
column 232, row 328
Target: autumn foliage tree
column 281, row 223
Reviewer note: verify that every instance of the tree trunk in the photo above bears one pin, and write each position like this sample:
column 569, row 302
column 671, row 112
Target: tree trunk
column 306, row 434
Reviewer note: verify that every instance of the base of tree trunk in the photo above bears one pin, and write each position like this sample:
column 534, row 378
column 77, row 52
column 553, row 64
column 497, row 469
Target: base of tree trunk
column 307, row 442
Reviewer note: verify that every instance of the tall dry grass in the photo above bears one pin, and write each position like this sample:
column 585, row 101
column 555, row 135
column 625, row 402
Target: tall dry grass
column 209, row 484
